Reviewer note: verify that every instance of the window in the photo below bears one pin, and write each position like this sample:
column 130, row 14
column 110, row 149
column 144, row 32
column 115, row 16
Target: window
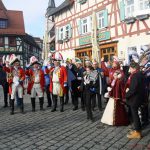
column 100, row 19
column 67, row 32
column 84, row 26
column 1, row 41
column 144, row 4
column 129, row 8
column 3, row 24
column 12, row 41
column 64, row 33
column 61, row 33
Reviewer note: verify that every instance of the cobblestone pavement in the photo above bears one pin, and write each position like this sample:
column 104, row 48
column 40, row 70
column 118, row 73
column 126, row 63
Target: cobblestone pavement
column 44, row 130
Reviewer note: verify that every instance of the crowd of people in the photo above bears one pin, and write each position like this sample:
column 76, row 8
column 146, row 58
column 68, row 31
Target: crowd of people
column 125, row 88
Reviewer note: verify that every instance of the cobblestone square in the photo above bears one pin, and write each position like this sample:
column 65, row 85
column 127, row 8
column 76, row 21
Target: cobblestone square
column 70, row 130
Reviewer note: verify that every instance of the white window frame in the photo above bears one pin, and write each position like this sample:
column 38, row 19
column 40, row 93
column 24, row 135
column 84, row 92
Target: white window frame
column 130, row 7
column 144, row 10
column 144, row 4
column 86, row 27
column 101, row 20
column 61, row 30
column 67, row 30
column 137, row 10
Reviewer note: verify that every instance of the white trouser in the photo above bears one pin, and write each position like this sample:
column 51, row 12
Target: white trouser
column 15, row 89
column 36, row 89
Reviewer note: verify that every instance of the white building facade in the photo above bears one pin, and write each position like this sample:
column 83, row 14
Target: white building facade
column 123, row 27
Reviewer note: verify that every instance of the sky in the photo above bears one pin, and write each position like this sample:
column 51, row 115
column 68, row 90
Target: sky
column 34, row 14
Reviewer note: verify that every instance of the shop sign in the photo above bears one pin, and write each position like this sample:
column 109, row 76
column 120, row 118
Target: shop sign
column 100, row 37
column 85, row 40
column 104, row 36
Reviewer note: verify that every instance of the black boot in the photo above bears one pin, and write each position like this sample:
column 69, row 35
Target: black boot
column 41, row 101
column 5, row 103
column 9, row 100
column 75, row 102
column 49, row 102
column 33, row 104
column 61, row 104
column 21, row 105
column 12, row 106
column 54, row 103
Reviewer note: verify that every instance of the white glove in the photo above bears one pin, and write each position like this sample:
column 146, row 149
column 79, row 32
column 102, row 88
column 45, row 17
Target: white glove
column 127, row 90
column 3, row 59
column 106, row 95
column 109, row 89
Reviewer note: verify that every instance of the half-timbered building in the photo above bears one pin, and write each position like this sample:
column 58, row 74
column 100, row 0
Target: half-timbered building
column 123, row 27
column 13, row 39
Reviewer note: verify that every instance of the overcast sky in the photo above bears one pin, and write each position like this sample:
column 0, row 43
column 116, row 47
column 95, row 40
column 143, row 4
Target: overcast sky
column 34, row 13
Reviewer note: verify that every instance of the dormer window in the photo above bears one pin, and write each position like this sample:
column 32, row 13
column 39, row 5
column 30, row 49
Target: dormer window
column 3, row 23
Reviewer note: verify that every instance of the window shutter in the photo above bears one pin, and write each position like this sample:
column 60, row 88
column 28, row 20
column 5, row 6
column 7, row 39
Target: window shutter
column 89, row 23
column 122, row 11
column 57, row 34
column 105, row 18
column 79, row 26
column 70, row 30
column 64, row 32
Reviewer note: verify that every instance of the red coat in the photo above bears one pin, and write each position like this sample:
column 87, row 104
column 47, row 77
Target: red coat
column 62, row 78
column 118, row 88
column 31, row 75
column 10, row 76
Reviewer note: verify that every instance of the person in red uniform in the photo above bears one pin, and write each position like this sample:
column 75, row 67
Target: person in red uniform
column 58, row 79
column 16, row 77
column 36, row 82
column 115, row 113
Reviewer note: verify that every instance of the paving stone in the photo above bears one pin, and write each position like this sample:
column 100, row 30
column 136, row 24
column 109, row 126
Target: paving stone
column 62, row 131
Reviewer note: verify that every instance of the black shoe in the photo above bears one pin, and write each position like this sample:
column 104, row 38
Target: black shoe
column 75, row 108
column 48, row 105
column 5, row 106
column 92, row 120
column 33, row 109
column 65, row 103
column 53, row 110
column 83, row 109
column 12, row 113
column 61, row 110
column 144, row 124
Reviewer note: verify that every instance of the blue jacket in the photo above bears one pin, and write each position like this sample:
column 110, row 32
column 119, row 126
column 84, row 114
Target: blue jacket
column 46, row 76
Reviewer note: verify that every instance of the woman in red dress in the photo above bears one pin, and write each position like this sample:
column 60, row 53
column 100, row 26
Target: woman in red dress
column 114, row 113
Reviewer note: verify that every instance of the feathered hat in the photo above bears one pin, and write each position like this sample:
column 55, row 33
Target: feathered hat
column 57, row 56
column 13, row 59
column 34, row 60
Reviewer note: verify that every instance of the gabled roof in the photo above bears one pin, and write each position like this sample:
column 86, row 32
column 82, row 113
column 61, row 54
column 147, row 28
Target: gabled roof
column 15, row 21
column 64, row 5
column 3, row 11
